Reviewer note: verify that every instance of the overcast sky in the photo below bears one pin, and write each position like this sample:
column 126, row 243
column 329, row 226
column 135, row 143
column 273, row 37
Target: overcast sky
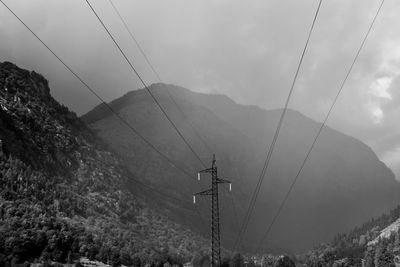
column 247, row 50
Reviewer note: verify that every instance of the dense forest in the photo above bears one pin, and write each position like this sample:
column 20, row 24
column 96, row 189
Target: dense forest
column 64, row 194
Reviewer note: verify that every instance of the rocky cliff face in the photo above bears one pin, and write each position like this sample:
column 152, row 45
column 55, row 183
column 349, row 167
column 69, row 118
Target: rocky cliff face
column 342, row 185
column 65, row 194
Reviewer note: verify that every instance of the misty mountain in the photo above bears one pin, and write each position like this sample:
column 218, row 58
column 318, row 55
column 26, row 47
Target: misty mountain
column 342, row 185
column 65, row 194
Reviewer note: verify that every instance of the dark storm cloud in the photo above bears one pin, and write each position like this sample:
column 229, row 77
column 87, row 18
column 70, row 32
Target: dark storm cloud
column 247, row 50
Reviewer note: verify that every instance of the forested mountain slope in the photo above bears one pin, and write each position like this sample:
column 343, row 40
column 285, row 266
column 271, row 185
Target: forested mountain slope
column 375, row 243
column 64, row 194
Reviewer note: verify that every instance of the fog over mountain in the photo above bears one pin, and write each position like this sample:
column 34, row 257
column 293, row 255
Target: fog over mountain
column 110, row 108
column 246, row 51
column 342, row 185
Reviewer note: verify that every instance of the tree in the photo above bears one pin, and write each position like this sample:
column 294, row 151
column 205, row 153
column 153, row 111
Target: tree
column 251, row 263
column 115, row 258
column 225, row 262
column 237, row 260
column 3, row 260
column 136, row 262
column 396, row 245
column 386, row 259
column 69, row 257
column 369, row 258
column 267, row 261
column 201, row 261
column 126, row 259
column 378, row 253
column 284, row 261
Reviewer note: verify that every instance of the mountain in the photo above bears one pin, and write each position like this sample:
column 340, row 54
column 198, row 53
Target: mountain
column 342, row 185
column 65, row 194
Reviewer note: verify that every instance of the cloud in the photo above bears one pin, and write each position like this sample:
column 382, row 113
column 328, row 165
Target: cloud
column 246, row 50
column 378, row 93
column 379, row 88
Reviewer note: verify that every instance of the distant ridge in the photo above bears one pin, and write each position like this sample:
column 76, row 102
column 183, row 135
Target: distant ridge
column 343, row 184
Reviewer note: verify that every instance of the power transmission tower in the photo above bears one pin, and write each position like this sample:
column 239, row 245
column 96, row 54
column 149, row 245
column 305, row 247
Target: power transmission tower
column 213, row 192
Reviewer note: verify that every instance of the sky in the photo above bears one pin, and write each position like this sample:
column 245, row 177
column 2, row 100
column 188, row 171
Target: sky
column 247, row 50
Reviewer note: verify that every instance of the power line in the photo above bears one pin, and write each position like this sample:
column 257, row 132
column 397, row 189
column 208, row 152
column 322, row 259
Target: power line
column 180, row 200
column 145, row 86
column 141, row 80
column 179, row 108
column 165, row 157
column 321, row 127
column 109, row 107
column 272, row 146
column 101, row 99
column 167, row 90
column 160, row 80
column 155, row 190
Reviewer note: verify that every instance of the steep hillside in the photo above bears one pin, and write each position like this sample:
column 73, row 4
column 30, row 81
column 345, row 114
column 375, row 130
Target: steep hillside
column 343, row 183
column 375, row 243
column 64, row 194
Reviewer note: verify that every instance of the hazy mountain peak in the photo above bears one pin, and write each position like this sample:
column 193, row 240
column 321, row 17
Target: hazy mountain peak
column 343, row 177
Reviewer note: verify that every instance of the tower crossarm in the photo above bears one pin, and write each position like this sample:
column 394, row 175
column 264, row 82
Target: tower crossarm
column 207, row 192
column 209, row 170
column 223, row 181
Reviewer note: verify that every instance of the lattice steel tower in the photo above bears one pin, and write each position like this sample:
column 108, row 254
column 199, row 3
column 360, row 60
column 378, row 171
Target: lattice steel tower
column 213, row 192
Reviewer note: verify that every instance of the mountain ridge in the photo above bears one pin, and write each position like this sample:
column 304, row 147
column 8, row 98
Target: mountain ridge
column 91, row 116
column 342, row 172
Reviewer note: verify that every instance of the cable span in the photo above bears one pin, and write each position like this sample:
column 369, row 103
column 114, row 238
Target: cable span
column 321, row 128
column 275, row 138
column 145, row 86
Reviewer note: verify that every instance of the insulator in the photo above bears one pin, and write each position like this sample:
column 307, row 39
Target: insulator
column 230, row 187
column 198, row 176
column 194, row 199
